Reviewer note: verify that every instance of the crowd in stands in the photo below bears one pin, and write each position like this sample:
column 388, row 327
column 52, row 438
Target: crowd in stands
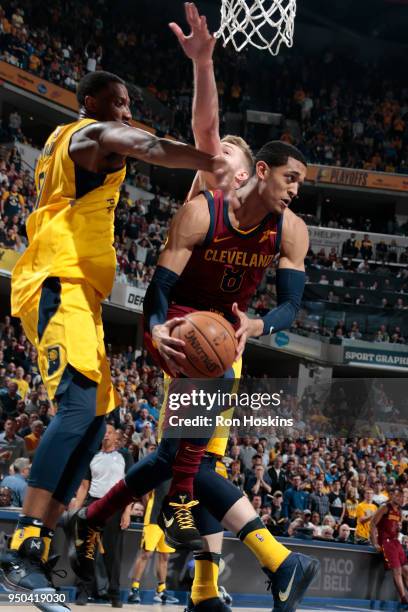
column 359, row 273
column 308, row 486
column 342, row 119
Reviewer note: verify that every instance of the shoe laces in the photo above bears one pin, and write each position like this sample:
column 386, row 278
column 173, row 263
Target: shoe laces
column 183, row 514
column 93, row 540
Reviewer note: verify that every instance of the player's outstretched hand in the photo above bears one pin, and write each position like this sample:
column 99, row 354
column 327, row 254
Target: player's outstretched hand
column 171, row 349
column 199, row 44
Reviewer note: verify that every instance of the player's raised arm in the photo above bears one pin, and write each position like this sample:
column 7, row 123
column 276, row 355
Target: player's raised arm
column 188, row 228
column 199, row 47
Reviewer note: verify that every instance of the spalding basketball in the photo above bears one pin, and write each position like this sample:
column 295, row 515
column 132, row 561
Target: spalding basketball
column 210, row 344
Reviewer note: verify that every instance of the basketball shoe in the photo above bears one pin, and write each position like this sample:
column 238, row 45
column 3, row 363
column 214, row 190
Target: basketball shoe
column 177, row 522
column 224, row 595
column 134, row 595
column 215, row 604
column 24, row 571
column 83, row 542
column 290, row 582
column 165, row 598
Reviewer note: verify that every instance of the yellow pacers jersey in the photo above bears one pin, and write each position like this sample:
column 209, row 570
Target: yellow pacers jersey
column 71, row 231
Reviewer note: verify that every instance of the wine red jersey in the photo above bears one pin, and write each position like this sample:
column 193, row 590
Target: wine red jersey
column 229, row 266
column 389, row 525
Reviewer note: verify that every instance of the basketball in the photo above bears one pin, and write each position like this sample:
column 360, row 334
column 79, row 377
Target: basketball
column 210, row 344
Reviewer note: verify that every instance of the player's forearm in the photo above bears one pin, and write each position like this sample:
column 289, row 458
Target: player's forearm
column 289, row 291
column 374, row 535
column 156, row 301
column 133, row 142
column 174, row 154
column 205, row 115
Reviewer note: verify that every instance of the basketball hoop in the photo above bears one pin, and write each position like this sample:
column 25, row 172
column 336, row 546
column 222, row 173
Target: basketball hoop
column 246, row 22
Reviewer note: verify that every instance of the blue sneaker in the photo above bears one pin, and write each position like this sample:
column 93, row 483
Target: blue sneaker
column 134, row 595
column 289, row 584
column 165, row 598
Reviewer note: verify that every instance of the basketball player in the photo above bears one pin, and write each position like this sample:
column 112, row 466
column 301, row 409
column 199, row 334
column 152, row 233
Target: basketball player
column 385, row 526
column 203, row 234
column 57, row 288
column 153, row 541
column 199, row 47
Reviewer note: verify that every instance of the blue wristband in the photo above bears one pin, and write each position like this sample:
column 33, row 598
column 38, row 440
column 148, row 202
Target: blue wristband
column 290, row 285
column 156, row 302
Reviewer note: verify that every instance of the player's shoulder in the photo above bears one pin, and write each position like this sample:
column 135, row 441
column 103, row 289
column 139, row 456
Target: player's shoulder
column 294, row 226
column 195, row 211
column 293, row 221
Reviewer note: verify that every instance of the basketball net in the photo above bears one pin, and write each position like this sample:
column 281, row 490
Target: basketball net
column 265, row 24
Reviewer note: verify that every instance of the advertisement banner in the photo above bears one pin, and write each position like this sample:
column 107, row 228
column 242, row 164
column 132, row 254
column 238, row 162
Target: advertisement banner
column 38, row 86
column 327, row 237
column 8, row 259
column 347, row 571
column 357, row 178
column 364, row 353
column 128, row 297
column 47, row 90
column 292, row 343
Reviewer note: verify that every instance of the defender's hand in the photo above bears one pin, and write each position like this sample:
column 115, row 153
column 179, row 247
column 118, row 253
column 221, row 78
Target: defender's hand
column 169, row 348
column 199, row 44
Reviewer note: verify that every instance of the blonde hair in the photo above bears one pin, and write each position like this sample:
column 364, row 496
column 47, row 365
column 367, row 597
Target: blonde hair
column 245, row 148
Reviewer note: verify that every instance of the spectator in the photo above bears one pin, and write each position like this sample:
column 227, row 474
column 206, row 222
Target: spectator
column 366, row 247
column 277, row 475
column 337, row 502
column 17, row 482
column 32, row 440
column 364, row 513
column 257, row 504
column 5, row 497
column 351, row 508
column 246, row 452
column 319, row 501
column 11, row 446
column 235, row 475
column 22, row 385
column 344, row 534
column 9, row 399
column 143, row 419
column 278, row 522
column 259, row 484
column 295, row 498
column 379, row 495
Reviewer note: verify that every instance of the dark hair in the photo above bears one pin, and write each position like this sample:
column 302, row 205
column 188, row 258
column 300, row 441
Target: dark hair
column 93, row 82
column 276, row 153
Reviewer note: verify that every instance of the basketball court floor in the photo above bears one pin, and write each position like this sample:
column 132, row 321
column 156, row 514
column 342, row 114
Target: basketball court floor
column 160, row 608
